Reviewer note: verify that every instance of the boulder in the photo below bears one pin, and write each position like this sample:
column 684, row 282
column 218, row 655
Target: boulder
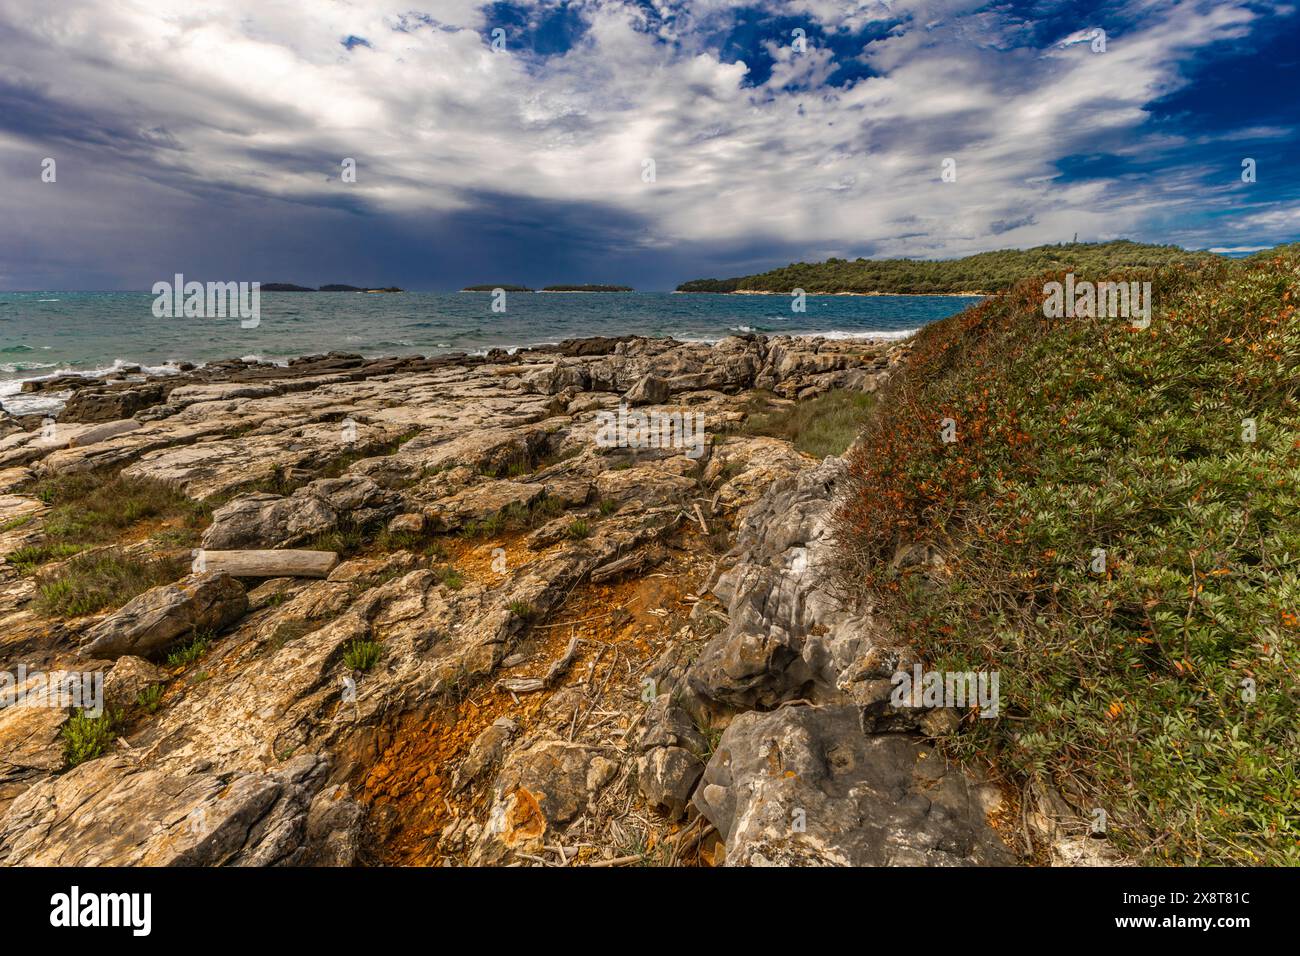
column 540, row 788
column 267, row 521
column 129, row 677
column 671, row 758
column 149, row 623
column 272, row 521
column 805, row 786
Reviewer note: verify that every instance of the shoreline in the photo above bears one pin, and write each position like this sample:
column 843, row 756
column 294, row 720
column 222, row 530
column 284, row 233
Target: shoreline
column 46, row 393
column 900, row 295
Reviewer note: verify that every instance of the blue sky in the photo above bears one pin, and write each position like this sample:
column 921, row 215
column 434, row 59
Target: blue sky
column 209, row 140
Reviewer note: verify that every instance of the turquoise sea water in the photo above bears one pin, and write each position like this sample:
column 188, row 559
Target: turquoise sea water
column 44, row 333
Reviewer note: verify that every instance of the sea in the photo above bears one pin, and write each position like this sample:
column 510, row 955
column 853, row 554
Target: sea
column 54, row 333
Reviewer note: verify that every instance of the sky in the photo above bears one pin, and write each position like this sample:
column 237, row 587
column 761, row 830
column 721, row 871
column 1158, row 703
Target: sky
column 641, row 143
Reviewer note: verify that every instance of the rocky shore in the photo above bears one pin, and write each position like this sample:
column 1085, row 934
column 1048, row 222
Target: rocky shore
column 430, row 618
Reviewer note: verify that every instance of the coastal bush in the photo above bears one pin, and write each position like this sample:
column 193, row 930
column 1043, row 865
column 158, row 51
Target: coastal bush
column 980, row 273
column 1119, row 526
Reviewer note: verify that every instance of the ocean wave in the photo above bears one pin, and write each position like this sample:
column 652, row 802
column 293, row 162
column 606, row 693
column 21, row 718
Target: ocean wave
column 841, row 334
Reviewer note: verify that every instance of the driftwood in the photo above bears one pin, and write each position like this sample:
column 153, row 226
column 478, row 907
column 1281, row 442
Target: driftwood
column 528, row 685
column 271, row 564
column 618, row 566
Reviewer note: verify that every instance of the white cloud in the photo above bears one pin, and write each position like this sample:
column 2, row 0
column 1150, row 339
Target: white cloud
column 263, row 98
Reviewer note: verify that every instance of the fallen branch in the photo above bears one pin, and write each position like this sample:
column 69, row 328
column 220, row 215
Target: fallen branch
column 271, row 564
column 529, row 685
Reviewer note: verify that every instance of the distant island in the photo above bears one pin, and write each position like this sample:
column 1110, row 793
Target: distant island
column 588, row 288
column 290, row 287
column 981, row 274
column 550, row 288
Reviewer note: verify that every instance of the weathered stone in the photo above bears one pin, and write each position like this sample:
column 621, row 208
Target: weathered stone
column 407, row 524
column 129, row 677
column 267, row 521
column 538, row 789
column 148, row 624
column 804, row 786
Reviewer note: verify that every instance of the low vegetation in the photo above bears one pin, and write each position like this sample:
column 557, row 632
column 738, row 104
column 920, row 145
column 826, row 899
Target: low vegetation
column 985, row 272
column 362, row 654
column 190, row 651
column 93, row 509
column 103, row 579
column 1119, row 524
column 86, row 737
column 821, row 426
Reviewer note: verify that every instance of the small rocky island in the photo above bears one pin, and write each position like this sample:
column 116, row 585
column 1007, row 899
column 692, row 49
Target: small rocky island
column 290, row 287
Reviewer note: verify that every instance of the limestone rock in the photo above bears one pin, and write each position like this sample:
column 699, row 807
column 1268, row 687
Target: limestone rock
column 804, row 786
column 148, row 624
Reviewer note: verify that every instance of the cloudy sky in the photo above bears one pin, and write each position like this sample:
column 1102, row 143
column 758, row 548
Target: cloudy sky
column 207, row 136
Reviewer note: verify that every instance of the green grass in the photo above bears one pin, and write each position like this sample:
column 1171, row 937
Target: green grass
column 449, row 576
column 15, row 523
column 578, row 529
column 362, row 654
column 514, row 517
column 1128, row 689
column 103, row 579
column 96, row 508
column 821, row 426
column 85, row 738
column 150, row 699
column 522, row 610
column 191, row 651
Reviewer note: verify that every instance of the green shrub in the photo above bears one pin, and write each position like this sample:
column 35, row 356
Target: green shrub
column 362, row 654
column 85, row 737
column 191, row 651
column 150, row 699
column 1161, row 689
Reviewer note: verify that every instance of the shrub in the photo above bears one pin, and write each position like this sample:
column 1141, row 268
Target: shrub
column 1127, row 688
column 362, row 654
column 85, row 737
